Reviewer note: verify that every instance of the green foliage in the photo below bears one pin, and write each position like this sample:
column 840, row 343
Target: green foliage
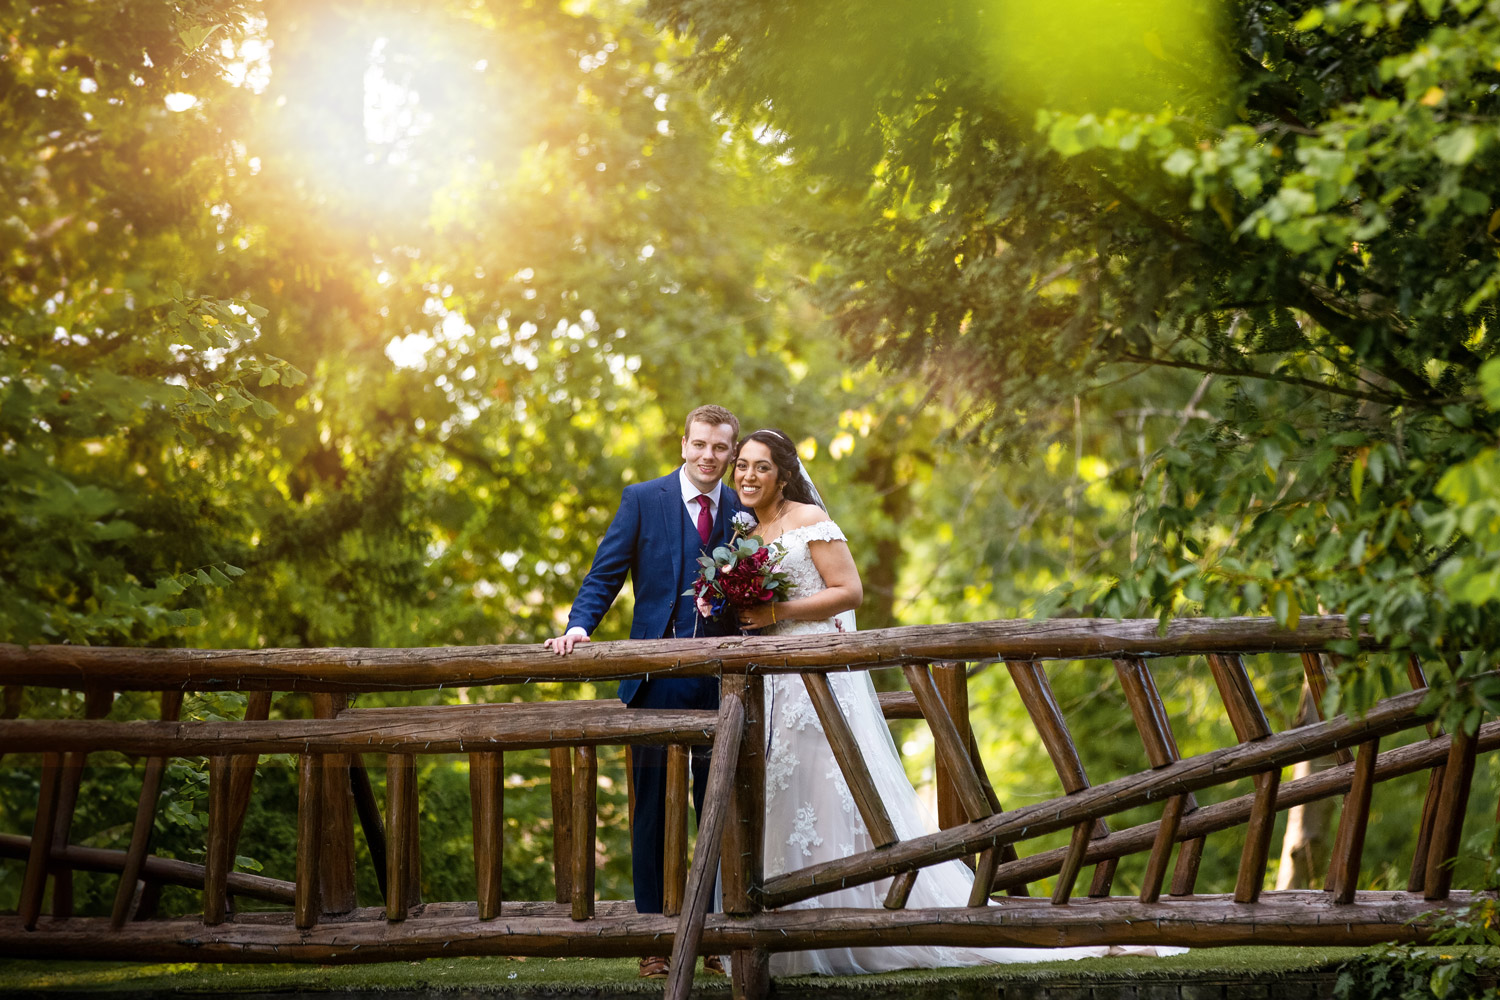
column 1283, row 282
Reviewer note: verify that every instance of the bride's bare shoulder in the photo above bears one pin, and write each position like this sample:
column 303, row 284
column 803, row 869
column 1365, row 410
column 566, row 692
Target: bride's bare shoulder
column 804, row 514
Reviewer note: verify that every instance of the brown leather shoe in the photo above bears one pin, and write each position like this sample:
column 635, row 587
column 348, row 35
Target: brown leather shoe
column 713, row 964
column 654, row 967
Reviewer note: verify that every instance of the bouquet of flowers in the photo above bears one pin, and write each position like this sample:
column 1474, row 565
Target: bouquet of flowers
column 742, row 574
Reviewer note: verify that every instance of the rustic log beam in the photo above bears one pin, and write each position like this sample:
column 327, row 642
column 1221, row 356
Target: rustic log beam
column 741, row 862
column 1447, row 831
column 487, row 803
column 1161, row 848
column 743, row 854
column 96, row 705
column 1232, row 812
column 1213, row 768
column 403, row 843
column 561, row 788
column 336, row 862
column 1315, row 671
column 308, row 902
column 1155, row 728
column 851, row 760
column 898, row 705
column 1251, row 877
column 157, row 870
column 1418, row 876
column 361, row 669
column 1036, row 694
column 989, row 861
column 218, row 862
column 949, row 745
column 675, row 836
column 701, row 877
column 34, row 881
column 1073, row 862
column 467, row 729
column 242, row 768
column 368, row 809
column 585, row 829
column 1343, row 874
column 1295, row 917
column 145, row 819
column 1250, row 725
column 900, row 890
column 952, row 684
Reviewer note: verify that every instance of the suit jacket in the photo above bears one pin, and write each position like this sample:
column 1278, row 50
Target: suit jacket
column 646, row 541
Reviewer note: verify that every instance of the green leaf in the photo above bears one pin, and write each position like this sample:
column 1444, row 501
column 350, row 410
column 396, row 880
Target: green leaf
column 1458, row 146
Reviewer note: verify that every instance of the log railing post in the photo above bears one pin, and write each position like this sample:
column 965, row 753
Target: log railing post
column 1343, row 870
column 242, row 772
column 308, row 904
column 336, row 867
column 96, row 705
column 1036, row 694
column 217, row 859
column 34, row 882
column 951, row 748
column 1453, row 800
column 145, row 819
column 675, row 836
column 850, row 759
column 743, row 854
column 1417, row 880
column 585, row 828
column 1155, row 729
column 487, row 800
column 562, row 823
column 952, row 684
column 368, row 809
column 403, row 843
column 728, row 739
column 1249, row 722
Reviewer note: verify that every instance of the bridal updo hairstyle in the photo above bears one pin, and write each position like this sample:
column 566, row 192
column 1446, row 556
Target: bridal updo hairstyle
column 784, row 457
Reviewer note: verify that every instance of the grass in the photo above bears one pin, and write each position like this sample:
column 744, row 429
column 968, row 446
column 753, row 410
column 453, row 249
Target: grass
column 535, row 976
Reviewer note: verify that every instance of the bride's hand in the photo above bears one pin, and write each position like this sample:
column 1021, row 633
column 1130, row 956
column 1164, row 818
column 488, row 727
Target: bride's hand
column 758, row 617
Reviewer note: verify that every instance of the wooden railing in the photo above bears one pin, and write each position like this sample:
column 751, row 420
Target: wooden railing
column 324, row 924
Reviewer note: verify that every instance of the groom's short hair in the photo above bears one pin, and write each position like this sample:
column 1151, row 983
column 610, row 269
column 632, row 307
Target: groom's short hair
column 713, row 416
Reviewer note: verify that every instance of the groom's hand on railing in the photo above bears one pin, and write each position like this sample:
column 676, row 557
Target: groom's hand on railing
column 562, row 645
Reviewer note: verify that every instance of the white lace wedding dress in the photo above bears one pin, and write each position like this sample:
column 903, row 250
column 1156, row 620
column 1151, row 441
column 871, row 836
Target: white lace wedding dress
column 811, row 816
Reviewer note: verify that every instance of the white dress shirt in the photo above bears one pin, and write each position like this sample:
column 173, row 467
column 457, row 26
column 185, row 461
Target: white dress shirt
column 690, row 497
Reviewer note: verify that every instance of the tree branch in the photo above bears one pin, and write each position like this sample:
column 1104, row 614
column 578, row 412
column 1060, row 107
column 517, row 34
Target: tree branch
column 1371, row 395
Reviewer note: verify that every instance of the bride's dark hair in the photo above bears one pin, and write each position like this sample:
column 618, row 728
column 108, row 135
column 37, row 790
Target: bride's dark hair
column 784, row 457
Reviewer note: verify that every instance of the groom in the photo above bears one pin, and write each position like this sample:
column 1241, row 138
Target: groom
column 658, row 533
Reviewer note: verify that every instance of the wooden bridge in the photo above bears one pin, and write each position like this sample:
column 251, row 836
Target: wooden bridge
column 322, row 922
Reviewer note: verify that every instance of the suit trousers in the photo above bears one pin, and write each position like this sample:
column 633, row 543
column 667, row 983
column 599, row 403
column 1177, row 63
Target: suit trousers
column 649, row 824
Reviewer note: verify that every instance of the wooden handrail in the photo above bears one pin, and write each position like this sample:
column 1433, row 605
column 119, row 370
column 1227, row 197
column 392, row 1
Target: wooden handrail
column 325, row 925
column 358, row 669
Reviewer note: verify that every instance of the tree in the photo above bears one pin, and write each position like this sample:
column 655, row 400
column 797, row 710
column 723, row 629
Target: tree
column 1295, row 214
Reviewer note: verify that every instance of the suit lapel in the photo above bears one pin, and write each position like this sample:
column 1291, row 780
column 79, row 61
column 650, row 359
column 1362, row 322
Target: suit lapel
column 672, row 511
column 728, row 507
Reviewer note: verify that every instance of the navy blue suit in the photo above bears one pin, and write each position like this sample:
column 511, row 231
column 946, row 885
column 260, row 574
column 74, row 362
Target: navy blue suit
column 655, row 542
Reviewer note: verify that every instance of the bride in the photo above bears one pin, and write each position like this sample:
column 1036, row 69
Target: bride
column 810, row 814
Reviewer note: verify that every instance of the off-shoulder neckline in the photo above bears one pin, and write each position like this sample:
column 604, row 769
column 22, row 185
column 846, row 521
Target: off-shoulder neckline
column 804, row 527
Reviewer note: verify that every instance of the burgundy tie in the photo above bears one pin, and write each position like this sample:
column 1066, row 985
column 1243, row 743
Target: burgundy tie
column 705, row 520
